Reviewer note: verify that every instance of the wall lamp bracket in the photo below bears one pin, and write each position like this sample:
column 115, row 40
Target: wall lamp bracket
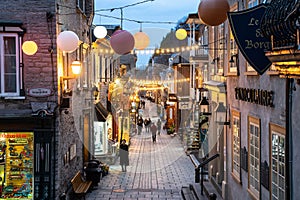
column 215, row 60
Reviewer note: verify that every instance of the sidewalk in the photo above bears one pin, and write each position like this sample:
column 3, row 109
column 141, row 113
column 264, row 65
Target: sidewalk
column 156, row 171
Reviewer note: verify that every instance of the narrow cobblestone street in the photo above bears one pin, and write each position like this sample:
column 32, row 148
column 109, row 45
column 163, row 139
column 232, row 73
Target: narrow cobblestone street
column 156, row 170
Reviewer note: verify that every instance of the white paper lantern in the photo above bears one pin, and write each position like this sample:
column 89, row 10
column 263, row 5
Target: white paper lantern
column 29, row 47
column 100, row 32
column 67, row 41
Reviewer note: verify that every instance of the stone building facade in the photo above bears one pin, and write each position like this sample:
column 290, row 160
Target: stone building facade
column 35, row 105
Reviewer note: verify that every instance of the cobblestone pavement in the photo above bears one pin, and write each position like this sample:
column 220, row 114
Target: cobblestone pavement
column 157, row 171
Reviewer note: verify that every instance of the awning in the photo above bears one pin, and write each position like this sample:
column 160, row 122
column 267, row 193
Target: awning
column 215, row 86
column 100, row 112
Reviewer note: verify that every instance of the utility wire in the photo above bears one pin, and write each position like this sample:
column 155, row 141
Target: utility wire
column 112, row 9
column 137, row 21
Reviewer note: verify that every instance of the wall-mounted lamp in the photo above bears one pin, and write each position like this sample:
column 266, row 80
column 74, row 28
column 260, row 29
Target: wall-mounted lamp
column 235, row 59
column 204, row 106
column 95, row 92
column 76, row 69
column 215, row 60
column 221, row 114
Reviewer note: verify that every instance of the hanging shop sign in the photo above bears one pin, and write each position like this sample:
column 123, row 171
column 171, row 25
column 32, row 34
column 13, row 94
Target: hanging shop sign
column 172, row 98
column 245, row 26
column 257, row 96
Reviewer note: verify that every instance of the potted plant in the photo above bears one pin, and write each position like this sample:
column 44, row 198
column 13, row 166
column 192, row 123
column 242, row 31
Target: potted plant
column 171, row 129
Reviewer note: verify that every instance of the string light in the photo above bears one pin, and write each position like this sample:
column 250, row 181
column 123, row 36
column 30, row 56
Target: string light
column 155, row 50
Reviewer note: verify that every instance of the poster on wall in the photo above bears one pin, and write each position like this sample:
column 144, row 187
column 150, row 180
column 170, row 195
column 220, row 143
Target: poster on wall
column 16, row 165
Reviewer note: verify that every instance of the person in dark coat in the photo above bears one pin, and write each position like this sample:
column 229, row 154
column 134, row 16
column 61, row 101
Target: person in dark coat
column 124, row 155
column 153, row 129
column 147, row 123
column 140, row 125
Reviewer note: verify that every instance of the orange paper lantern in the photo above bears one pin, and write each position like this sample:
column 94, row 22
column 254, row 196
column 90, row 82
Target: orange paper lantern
column 141, row 40
column 213, row 12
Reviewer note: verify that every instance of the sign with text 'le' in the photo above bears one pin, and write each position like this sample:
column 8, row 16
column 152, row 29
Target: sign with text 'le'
column 245, row 27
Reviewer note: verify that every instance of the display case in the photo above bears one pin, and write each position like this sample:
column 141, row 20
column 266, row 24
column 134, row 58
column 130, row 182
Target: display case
column 17, row 166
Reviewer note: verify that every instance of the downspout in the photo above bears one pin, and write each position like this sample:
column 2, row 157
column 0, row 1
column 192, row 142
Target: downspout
column 289, row 140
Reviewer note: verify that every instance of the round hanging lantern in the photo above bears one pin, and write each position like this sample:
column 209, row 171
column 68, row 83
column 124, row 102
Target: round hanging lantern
column 141, row 40
column 213, row 12
column 67, row 41
column 100, row 32
column 181, row 34
column 122, row 42
column 29, row 47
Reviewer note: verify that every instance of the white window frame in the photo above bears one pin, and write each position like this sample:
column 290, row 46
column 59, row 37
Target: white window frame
column 236, row 145
column 2, row 88
column 277, row 179
column 254, row 156
column 81, row 7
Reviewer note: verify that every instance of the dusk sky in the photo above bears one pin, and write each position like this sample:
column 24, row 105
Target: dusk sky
column 157, row 11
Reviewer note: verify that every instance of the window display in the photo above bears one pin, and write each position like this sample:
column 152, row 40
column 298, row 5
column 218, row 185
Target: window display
column 16, row 165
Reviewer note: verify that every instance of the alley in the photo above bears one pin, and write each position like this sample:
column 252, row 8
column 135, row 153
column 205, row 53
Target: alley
column 156, row 170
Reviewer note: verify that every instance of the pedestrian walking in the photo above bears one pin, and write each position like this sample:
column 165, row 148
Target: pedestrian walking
column 147, row 123
column 153, row 129
column 158, row 126
column 140, row 124
column 124, row 155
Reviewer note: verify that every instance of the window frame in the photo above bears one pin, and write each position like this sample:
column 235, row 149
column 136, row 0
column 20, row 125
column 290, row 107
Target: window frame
column 236, row 121
column 256, row 123
column 233, row 48
column 18, row 65
column 281, row 132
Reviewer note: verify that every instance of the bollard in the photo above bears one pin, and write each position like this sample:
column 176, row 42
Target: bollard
column 197, row 175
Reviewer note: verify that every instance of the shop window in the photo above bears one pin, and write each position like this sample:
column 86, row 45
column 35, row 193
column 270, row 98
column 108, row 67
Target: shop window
column 254, row 156
column 236, row 146
column 16, row 165
column 233, row 50
column 277, row 160
column 252, row 3
column 9, row 65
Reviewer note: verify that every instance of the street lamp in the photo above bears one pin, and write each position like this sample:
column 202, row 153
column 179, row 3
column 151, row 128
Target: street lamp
column 204, row 106
column 221, row 114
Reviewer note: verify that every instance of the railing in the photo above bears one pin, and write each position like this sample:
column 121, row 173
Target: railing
column 200, row 166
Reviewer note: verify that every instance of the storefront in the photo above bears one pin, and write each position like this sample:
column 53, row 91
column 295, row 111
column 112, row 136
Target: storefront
column 26, row 164
column 16, row 164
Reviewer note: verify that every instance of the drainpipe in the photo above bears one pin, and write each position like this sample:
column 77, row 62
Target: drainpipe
column 289, row 140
